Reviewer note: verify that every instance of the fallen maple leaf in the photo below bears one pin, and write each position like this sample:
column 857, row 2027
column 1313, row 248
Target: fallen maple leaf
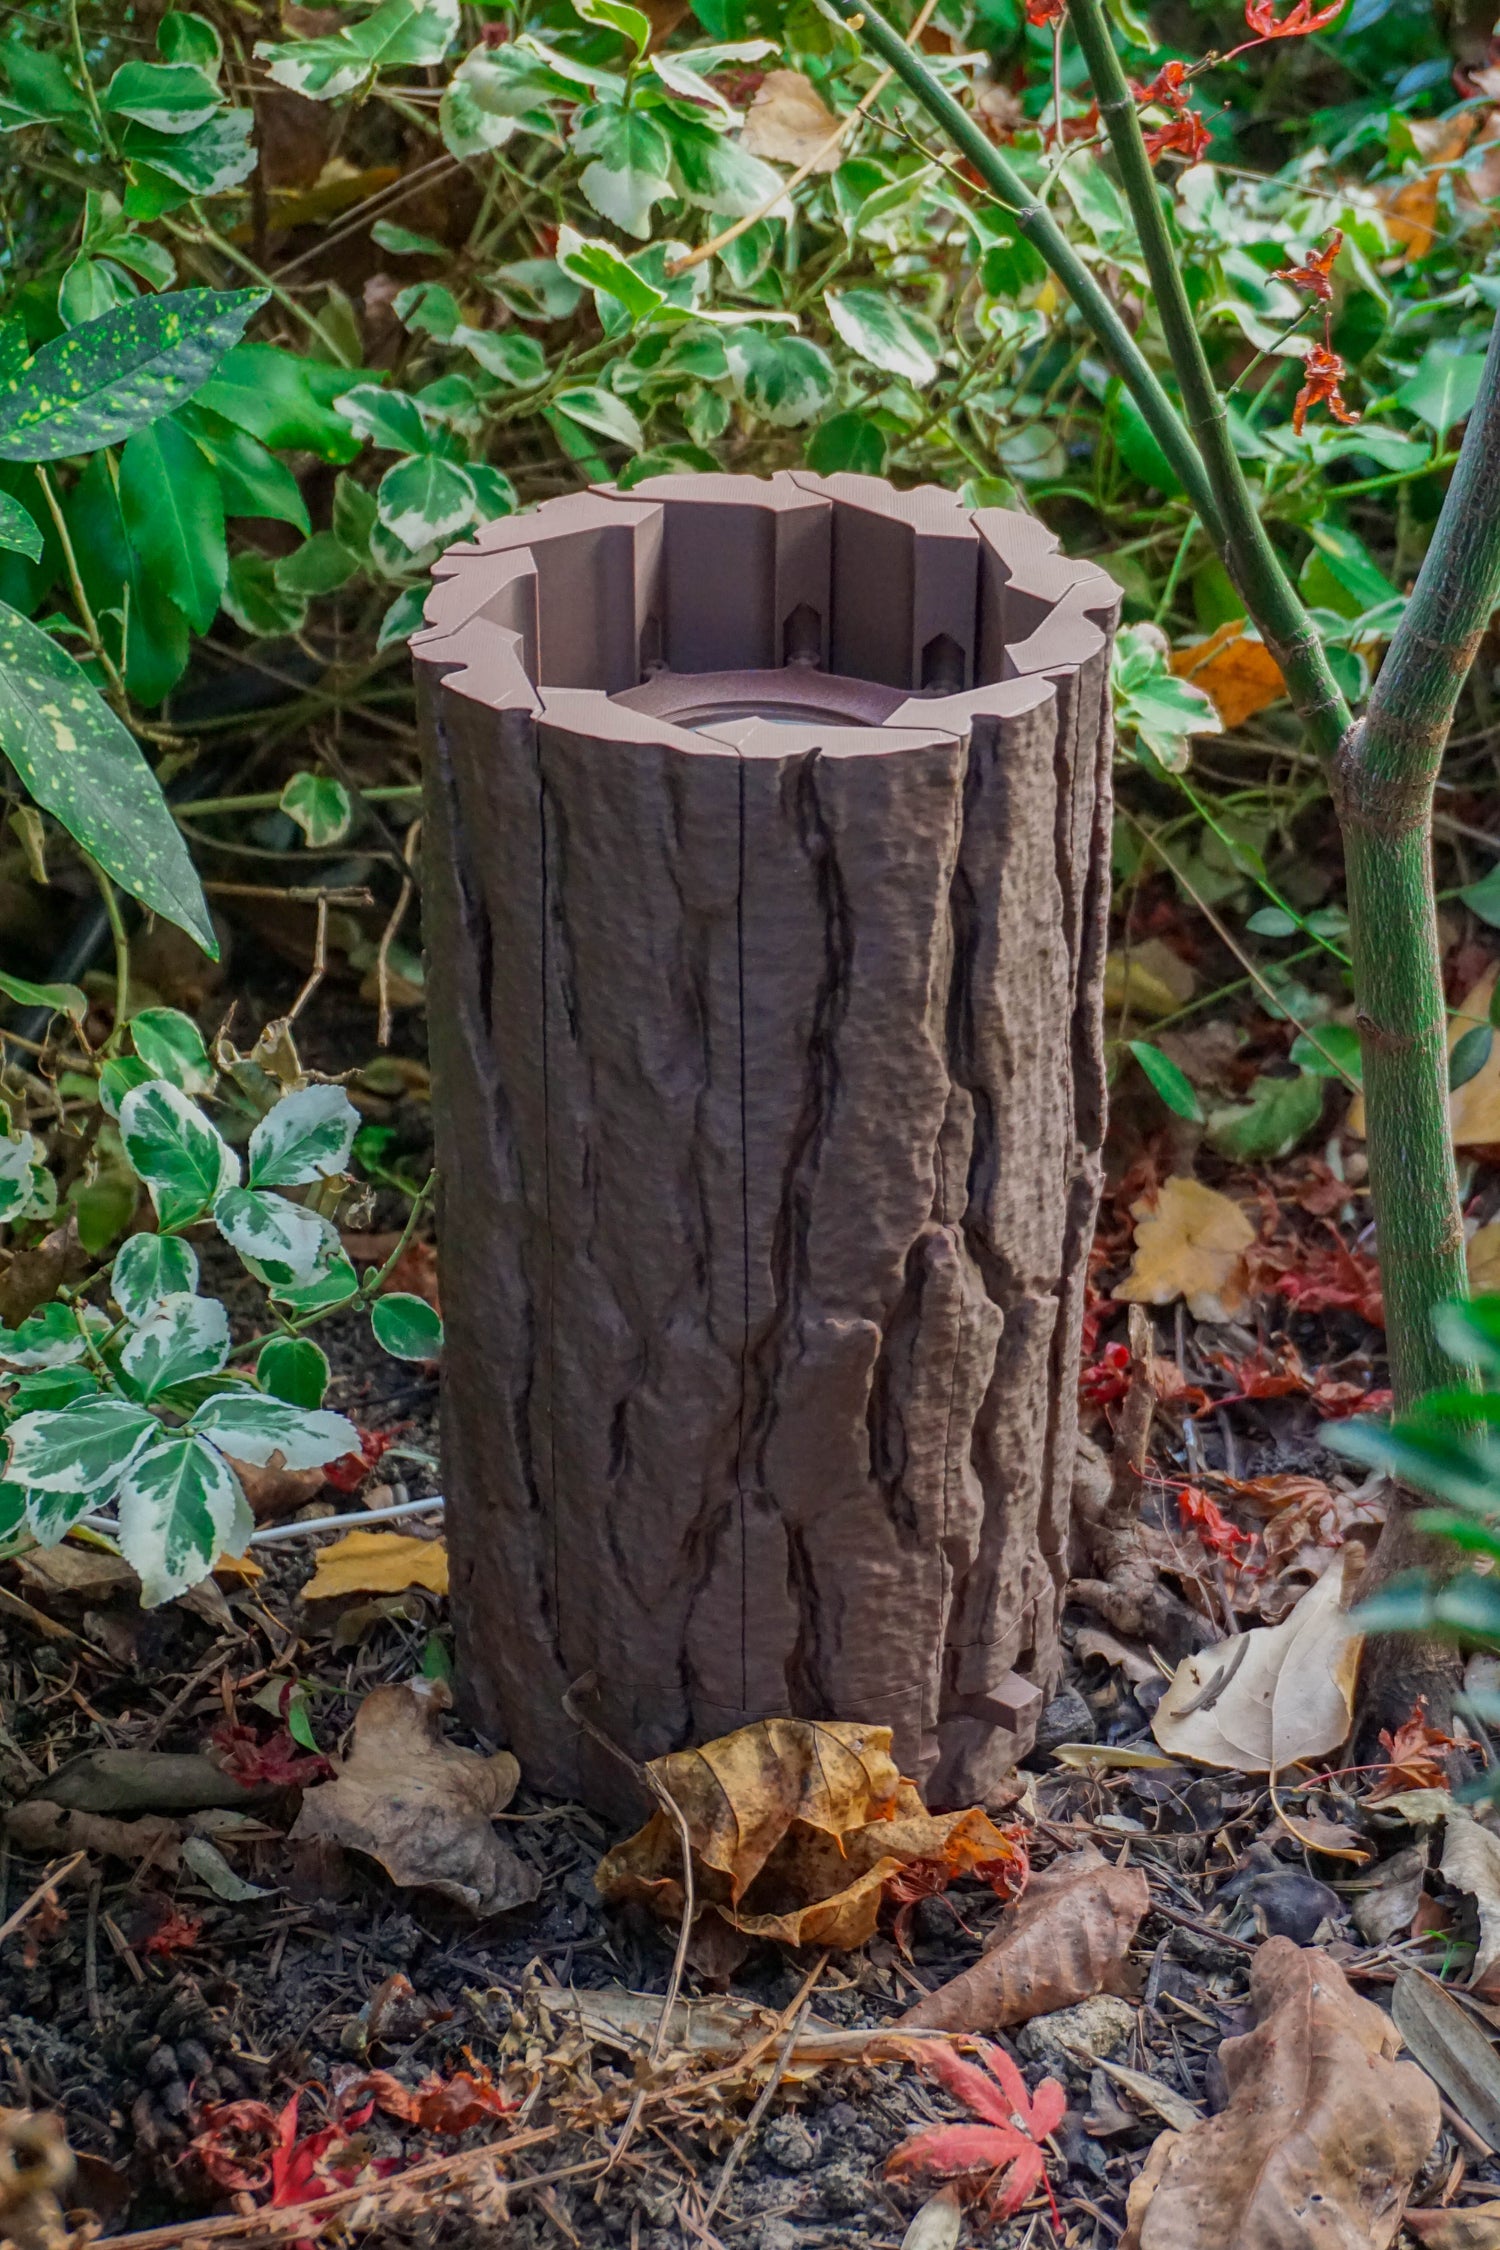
column 1002, row 2156
column 1414, row 1756
column 798, row 1827
column 1221, row 1537
column 272, row 1762
column 1063, row 1942
column 1322, row 2136
column 179, row 1933
column 1323, row 1276
column 348, row 1473
column 377, row 1562
column 790, row 123
column 421, row 1806
column 436, row 2104
column 1190, row 1242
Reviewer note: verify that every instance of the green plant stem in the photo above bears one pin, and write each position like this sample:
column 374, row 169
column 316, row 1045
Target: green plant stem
column 1383, row 782
column 75, row 587
column 1249, row 556
column 121, row 937
column 269, row 800
column 1041, row 230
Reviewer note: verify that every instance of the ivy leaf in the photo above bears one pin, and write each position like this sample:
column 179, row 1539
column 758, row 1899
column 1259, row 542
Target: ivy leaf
column 1150, row 701
column 118, row 1078
column 183, row 1158
column 332, row 1286
column 167, row 168
column 256, row 599
column 148, row 1269
column 880, row 330
column 180, row 1508
column 506, row 353
column 1279, row 1113
column 306, row 1137
column 171, row 1046
column 185, row 38
column 171, row 97
column 100, row 381
column 173, row 508
column 253, row 1427
column 629, row 22
column 319, row 566
column 599, row 410
column 389, row 419
column 1168, row 1079
column 79, row 1451
column 321, row 807
column 18, row 533
column 406, row 1326
column 51, row 1337
column 424, row 499
column 718, row 174
column 849, row 441
column 179, row 1338
column 400, row 33
column 598, row 266
column 62, row 999
column 81, row 764
column 631, row 171
column 785, row 379
column 293, row 1368
column 279, row 1240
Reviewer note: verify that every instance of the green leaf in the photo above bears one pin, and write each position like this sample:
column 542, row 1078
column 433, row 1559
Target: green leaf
column 598, row 266
column 1171, row 1082
column 319, row 566
column 1359, row 581
column 321, row 807
column 185, row 38
column 256, row 599
column 280, row 1240
column 118, row 1077
column 1341, row 1041
column 82, row 765
column 285, row 400
column 599, row 410
column 403, row 243
column 1470, row 1054
column 406, row 1326
column 389, row 419
column 332, row 1286
column 27, row 1188
column 785, row 379
column 1279, row 1114
column 167, row 168
column 1443, row 390
column 399, row 34
column 148, row 1269
column 174, row 513
column 880, row 330
column 631, row 168
column 294, row 1369
column 506, row 353
column 179, row 1338
column 1151, row 702
column 403, row 618
column 716, row 174
column 100, row 381
column 1483, row 897
column 252, row 482
column 629, row 22
column 852, row 442
column 182, row 1157
column 12, row 1509
column 306, row 1137
column 81, row 1450
column 171, row 1046
column 253, row 1427
column 170, row 97
column 425, row 499
column 62, row 999
column 1469, row 1331
column 51, row 1337
column 180, row 1508
column 18, row 533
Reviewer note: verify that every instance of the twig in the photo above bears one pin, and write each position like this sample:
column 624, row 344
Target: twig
column 388, row 935
column 316, row 973
column 764, row 2098
column 301, row 894
column 804, row 170
column 43, row 1890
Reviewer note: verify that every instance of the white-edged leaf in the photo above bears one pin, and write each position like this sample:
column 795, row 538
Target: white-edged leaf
column 631, row 168
column 253, row 1427
column 180, row 1338
column 18, row 1161
column 424, row 499
column 599, row 410
column 279, row 1239
column 320, row 805
column 171, row 1046
column 148, row 1269
column 599, row 266
column 51, row 1337
column 81, row 1450
column 880, row 330
column 406, row 1326
column 785, row 379
column 306, row 1137
column 180, row 1508
column 182, row 1157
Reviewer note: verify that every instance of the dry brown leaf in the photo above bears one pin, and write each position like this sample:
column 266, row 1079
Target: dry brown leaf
column 1411, row 205
column 1483, row 1255
column 377, row 1562
column 789, row 122
column 1276, row 1695
column 1065, row 1940
column 419, row 1805
column 276, row 1490
column 1190, row 1242
column 1477, row 2227
column 1149, row 980
column 797, row 1827
column 1471, row 1863
column 79, row 1573
column 1322, row 2135
column 45, row 1829
column 1239, row 675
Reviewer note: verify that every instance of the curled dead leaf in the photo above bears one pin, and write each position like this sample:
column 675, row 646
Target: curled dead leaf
column 49, row 1830
column 790, row 123
column 377, row 1562
column 419, row 1805
column 1276, row 1695
column 1475, row 2227
column 1483, row 1256
column 1238, row 674
column 275, row 1490
column 798, row 1827
column 1063, row 1941
column 1190, row 1242
column 1320, row 2120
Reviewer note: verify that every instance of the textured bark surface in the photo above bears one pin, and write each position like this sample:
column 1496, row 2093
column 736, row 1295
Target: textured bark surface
column 769, row 1091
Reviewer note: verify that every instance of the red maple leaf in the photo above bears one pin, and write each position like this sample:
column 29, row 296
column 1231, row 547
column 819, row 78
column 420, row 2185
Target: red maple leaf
column 1002, row 2156
column 1324, row 371
column 1186, row 136
column 1043, row 12
column 1327, row 1276
column 1413, row 1756
column 1315, row 279
column 1301, row 19
column 436, row 2104
column 275, row 1763
column 349, row 1471
column 176, row 1934
column 1218, row 1534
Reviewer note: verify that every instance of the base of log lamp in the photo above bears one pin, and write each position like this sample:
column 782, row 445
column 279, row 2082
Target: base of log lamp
column 767, row 849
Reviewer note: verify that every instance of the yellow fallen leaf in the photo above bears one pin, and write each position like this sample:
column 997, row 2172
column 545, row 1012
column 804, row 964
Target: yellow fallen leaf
column 1411, row 205
column 1149, row 980
column 1238, row 674
column 377, row 1562
column 790, row 122
column 1190, row 1242
column 238, row 1566
column 1484, row 1259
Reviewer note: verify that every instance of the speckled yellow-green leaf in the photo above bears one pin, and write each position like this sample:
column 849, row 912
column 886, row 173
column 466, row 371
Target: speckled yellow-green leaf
column 76, row 759
column 107, row 377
